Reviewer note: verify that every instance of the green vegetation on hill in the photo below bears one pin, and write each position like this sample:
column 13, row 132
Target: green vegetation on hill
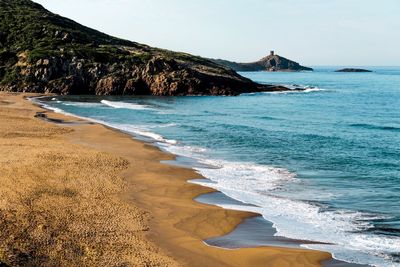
column 27, row 27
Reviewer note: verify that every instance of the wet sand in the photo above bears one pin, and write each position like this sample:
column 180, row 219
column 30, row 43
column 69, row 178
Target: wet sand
column 83, row 194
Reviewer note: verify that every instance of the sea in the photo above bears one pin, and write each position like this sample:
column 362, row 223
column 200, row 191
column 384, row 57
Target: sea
column 322, row 164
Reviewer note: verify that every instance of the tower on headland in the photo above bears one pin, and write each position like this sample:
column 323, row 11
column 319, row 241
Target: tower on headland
column 272, row 52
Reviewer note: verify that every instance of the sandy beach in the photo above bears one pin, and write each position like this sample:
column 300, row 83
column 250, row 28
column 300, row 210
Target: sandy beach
column 81, row 194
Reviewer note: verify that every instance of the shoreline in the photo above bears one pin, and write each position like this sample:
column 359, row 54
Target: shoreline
column 179, row 224
column 246, row 215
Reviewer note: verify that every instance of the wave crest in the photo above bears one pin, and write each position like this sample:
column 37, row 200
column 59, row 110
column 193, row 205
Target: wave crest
column 375, row 127
column 125, row 105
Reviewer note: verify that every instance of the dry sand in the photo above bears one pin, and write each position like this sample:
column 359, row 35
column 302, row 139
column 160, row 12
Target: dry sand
column 85, row 195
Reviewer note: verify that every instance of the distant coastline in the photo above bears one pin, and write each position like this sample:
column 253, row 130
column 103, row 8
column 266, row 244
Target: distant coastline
column 353, row 70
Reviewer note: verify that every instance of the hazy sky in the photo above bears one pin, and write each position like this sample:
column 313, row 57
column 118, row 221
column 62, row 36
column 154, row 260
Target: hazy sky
column 313, row 32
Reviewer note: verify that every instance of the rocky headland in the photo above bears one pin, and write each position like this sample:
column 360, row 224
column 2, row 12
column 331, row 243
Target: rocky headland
column 272, row 62
column 43, row 52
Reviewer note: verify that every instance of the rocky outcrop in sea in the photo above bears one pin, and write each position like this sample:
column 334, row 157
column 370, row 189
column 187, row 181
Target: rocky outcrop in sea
column 272, row 62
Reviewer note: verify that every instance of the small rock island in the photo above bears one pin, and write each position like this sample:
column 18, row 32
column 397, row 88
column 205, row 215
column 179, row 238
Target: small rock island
column 353, row 70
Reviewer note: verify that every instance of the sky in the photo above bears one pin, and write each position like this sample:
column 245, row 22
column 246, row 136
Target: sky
column 312, row 32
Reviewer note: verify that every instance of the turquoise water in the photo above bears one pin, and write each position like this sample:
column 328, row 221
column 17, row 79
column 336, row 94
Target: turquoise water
column 321, row 165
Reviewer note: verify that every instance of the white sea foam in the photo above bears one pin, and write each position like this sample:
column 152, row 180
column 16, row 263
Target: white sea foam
column 140, row 130
column 308, row 90
column 132, row 129
column 257, row 184
column 304, row 89
column 166, row 125
column 187, row 151
column 56, row 100
column 126, row 105
column 56, row 110
column 293, row 89
column 80, row 104
column 61, row 111
column 154, row 136
column 36, row 100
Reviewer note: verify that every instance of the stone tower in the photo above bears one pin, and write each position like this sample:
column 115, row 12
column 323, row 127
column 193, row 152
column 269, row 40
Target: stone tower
column 271, row 53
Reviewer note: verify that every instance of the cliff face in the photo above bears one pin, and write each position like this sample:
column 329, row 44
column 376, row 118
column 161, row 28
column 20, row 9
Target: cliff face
column 46, row 53
column 268, row 63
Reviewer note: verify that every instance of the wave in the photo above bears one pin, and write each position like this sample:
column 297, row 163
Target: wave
column 189, row 151
column 56, row 110
column 141, row 131
column 269, row 118
column 80, row 104
column 76, row 104
column 313, row 90
column 165, row 125
column 375, row 127
column 303, row 89
column 125, row 105
column 43, row 104
column 293, row 89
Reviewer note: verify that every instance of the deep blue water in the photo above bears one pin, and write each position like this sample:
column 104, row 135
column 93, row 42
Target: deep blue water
column 322, row 165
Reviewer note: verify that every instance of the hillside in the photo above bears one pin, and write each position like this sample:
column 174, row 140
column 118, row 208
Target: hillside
column 46, row 53
column 271, row 62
